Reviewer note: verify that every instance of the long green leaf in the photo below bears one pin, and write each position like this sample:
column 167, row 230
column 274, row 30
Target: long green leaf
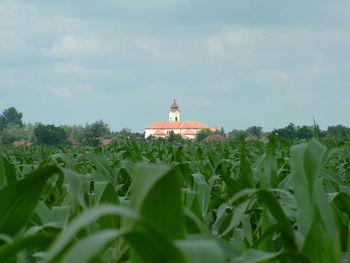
column 84, row 250
column 18, row 200
column 156, row 195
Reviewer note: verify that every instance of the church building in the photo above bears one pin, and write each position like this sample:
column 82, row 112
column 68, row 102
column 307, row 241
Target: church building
column 187, row 129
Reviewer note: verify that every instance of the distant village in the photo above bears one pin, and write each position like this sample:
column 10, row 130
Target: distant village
column 14, row 131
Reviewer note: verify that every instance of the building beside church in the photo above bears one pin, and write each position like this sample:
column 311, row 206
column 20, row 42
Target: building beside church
column 187, row 129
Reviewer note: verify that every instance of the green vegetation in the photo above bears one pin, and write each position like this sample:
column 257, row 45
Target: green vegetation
column 50, row 135
column 13, row 129
column 182, row 201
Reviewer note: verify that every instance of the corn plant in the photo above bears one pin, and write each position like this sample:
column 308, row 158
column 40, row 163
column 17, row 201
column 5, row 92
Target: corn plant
column 189, row 202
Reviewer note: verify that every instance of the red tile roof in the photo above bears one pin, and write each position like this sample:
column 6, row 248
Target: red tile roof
column 104, row 141
column 73, row 141
column 174, row 106
column 22, row 143
column 177, row 125
column 214, row 137
column 188, row 132
column 159, row 132
column 212, row 129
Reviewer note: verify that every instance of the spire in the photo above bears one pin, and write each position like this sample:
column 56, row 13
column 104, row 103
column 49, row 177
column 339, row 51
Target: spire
column 174, row 106
column 174, row 113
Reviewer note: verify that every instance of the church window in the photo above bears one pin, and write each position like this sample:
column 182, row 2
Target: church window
column 175, row 118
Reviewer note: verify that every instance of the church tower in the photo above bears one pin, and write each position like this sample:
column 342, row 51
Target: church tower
column 174, row 113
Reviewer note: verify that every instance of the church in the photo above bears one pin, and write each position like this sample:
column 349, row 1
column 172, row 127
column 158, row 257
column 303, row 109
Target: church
column 187, row 129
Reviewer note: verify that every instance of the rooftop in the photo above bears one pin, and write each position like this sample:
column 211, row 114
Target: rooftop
column 177, row 125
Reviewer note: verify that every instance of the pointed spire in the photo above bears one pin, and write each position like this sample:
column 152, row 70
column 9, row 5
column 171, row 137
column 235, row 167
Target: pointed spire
column 174, row 106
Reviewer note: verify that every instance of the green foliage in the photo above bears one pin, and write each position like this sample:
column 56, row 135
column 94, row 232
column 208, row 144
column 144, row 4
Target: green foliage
column 14, row 132
column 174, row 137
column 202, row 134
column 10, row 116
column 254, row 131
column 238, row 135
column 162, row 201
column 50, row 135
column 338, row 131
column 293, row 132
column 97, row 129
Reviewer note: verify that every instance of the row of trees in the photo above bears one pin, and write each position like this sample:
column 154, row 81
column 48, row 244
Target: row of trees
column 292, row 131
column 13, row 129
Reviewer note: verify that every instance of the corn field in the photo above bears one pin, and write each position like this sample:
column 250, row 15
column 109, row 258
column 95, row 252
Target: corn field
column 149, row 202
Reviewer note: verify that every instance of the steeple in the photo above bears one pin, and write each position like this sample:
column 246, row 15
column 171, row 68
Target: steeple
column 174, row 106
column 174, row 113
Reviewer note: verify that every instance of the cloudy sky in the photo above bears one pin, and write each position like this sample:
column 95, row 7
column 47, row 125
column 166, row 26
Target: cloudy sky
column 230, row 63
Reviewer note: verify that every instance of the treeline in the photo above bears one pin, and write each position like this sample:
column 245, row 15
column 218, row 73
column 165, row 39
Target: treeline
column 12, row 129
column 292, row 131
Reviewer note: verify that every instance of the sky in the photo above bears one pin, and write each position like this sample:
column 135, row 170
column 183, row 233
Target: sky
column 230, row 63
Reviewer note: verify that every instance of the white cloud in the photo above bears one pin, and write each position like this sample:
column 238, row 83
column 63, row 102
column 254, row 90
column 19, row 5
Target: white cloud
column 84, row 88
column 214, row 44
column 60, row 92
column 323, row 65
column 153, row 47
column 75, row 69
column 78, row 45
column 11, row 41
column 263, row 75
column 10, row 83
column 230, row 38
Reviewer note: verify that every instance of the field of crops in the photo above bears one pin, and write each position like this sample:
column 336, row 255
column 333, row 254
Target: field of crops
column 149, row 202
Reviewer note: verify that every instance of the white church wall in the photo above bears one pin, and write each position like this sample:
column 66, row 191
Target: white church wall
column 149, row 132
column 173, row 115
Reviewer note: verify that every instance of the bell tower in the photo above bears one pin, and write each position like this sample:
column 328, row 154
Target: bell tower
column 174, row 113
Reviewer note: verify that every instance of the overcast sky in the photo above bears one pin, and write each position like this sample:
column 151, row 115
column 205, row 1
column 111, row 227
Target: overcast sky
column 228, row 63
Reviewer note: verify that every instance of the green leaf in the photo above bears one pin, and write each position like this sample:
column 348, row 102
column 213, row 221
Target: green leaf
column 269, row 179
column 342, row 202
column 8, row 173
column 318, row 245
column 315, row 218
column 150, row 247
column 256, row 256
column 82, row 220
column 38, row 241
column 201, row 250
column 18, row 200
column 84, row 250
column 109, row 196
column 245, row 173
column 270, row 201
column 156, row 195
column 103, row 169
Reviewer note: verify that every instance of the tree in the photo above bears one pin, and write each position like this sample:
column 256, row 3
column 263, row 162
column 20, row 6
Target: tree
column 222, row 131
column 173, row 137
column 97, row 129
column 202, row 134
column 238, row 134
column 338, row 131
column 13, row 132
column 11, row 116
column 254, row 131
column 288, row 132
column 125, row 132
column 304, row 132
column 50, row 135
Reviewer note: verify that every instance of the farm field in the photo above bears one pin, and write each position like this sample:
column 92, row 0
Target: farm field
column 157, row 201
